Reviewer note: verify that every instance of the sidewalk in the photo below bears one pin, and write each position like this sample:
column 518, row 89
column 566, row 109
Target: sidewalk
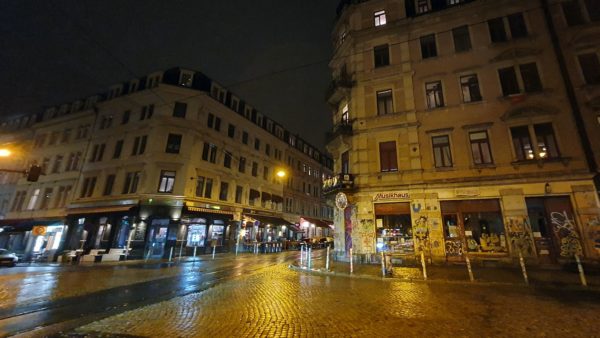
column 558, row 277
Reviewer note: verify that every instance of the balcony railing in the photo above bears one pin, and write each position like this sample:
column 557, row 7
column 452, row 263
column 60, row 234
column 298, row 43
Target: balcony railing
column 336, row 88
column 339, row 182
column 343, row 128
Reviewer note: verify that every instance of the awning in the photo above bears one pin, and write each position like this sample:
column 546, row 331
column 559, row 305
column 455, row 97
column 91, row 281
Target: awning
column 210, row 211
column 270, row 220
column 317, row 222
column 99, row 210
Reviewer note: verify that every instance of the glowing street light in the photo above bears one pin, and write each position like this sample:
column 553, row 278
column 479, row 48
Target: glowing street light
column 281, row 173
column 5, row 152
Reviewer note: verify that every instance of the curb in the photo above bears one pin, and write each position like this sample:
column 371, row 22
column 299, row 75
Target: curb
column 321, row 272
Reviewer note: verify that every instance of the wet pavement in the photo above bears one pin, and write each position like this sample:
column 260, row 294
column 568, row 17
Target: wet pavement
column 258, row 295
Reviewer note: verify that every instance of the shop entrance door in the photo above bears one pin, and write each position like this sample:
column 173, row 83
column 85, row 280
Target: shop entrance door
column 454, row 237
column 554, row 228
column 157, row 238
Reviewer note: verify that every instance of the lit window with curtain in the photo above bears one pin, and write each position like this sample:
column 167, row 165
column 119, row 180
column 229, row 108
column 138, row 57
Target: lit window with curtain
column 166, row 182
column 441, row 151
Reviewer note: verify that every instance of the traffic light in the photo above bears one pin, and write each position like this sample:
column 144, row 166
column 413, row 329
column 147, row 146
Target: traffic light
column 34, row 173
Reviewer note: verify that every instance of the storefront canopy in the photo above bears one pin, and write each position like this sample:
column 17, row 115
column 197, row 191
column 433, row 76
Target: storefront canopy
column 272, row 220
column 317, row 222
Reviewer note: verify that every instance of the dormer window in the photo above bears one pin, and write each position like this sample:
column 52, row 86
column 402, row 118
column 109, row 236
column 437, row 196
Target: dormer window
column 235, row 104
column 270, row 126
column 422, row 6
column 247, row 112
column 380, row 19
column 133, row 86
column 186, row 79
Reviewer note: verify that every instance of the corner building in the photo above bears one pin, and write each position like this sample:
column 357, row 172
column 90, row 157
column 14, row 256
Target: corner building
column 453, row 135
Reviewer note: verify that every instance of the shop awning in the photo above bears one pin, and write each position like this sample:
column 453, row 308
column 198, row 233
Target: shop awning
column 317, row 222
column 210, row 211
column 99, row 210
column 270, row 220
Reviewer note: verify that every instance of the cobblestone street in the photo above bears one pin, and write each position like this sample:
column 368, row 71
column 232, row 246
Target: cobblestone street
column 276, row 301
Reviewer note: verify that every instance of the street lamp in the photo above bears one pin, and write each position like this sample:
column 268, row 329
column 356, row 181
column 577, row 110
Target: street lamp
column 5, row 152
column 281, row 173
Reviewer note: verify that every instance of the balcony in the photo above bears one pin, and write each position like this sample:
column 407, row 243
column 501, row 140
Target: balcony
column 341, row 129
column 337, row 183
column 338, row 88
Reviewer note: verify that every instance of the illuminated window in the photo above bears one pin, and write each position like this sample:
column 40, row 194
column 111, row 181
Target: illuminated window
column 33, row 199
column 522, row 143
column 422, row 6
column 380, row 19
column 469, row 85
column 434, row 94
column 547, row 146
column 384, row 102
column 441, row 151
column 166, row 182
column 480, row 147
column 345, row 115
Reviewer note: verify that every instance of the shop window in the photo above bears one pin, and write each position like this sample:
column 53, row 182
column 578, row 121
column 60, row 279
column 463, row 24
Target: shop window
column 480, row 147
column 132, row 180
column 522, row 143
column 381, row 55
column 224, row 191
column 388, row 159
column 441, row 151
column 462, row 39
column 428, row 46
column 108, row 185
column 434, row 94
column 590, row 67
column 394, row 228
column 469, row 85
column 517, row 26
column 547, row 146
column 572, row 12
column 379, row 18
column 166, row 181
column 384, row 102
column 497, row 30
column 173, row 144
column 179, row 109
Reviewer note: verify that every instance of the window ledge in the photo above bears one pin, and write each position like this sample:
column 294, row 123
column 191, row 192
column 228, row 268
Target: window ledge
column 443, row 169
column 471, row 103
column 540, row 162
column 483, row 166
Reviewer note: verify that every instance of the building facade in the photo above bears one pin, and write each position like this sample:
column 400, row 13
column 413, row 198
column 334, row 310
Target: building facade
column 454, row 134
column 169, row 162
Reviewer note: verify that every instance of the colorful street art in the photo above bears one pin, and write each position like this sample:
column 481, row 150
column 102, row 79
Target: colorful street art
column 348, row 228
column 564, row 229
column 519, row 234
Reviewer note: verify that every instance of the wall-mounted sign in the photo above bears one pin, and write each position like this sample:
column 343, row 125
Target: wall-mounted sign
column 467, row 192
column 341, row 200
column 391, row 196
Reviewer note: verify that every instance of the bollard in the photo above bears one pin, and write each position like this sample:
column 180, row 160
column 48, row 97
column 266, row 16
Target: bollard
column 382, row 265
column 351, row 262
column 581, row 272
column 194, row 252
column 214, row 250
column 301, row 255
column 424, row 266
column 170, row 254
column 309, row 259
column 523, row 268
column 469, row 269
column 327, row 259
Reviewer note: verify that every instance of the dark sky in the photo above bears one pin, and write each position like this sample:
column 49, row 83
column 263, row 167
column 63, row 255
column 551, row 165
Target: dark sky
column 53, row 52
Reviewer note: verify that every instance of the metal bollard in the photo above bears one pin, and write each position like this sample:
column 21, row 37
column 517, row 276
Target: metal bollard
column 523, row 268
column 180, row 250
column 469, row 269
column 351, row 262
column 382, row 264
column 424, row 266
column 327, row 259
column 309, row 259
column 194, row 252
column 301, row 255
column 214, row 249
column 581, row 272
column 170, row 254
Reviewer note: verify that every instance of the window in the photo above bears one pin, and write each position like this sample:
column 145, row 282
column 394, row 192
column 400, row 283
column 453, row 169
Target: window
column 245, row 137
column 108, row 185
column 242, row 165
column 590, row 67
column 118, row 149
column 469, row 85
column 434, row 94
column 441, row 151
column 200, row 186
column 19, row 200
column 254, row 169
column 572, row 12
column 593, row 9
column 387, row 156
column 267, row 149
column 147, row 112
column 381, row 55
column 480, row 147
column 227, row 160
column 73, row 163
column 125, row 117
column 428, row 47
column 266, row 173
column 547, row 146
column 384, row 102
column 257, row 144
column 531, row 78
column 345, row 115
column 497, row 31
column 224, row 191
column 139, row 145
column 218, row 124
column 210, row 122
column 517, row 26
column 53, row 138
column 239, row 192
column 209, row 152
column 82, row 132
column 87, row 189
column 422, row 6
column 166, row 182
column 508, row 80
column 173, row 144
column 345, row 162
column 106, row 122
column 45, row 163
column 33, row 199
column 522, row 143
column 208, row 188
column 66, row 135
column 231, row 131
column 98, row 152
column 57, row 164
column 379, row 18
column 462, row 39
column 46, row 197
column 186, row 79
column 179, row 109
column 132, row 180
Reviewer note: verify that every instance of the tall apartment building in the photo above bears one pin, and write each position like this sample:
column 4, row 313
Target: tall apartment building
column 170, row 160
column 454, row 135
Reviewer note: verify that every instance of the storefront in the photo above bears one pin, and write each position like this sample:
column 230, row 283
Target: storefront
column 33, row 240
column 394, row 233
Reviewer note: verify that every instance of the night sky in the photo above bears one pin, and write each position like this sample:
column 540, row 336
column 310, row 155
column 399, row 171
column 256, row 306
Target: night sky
column 53, row 52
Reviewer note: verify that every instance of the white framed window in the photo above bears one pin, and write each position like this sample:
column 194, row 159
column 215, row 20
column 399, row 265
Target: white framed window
column 345, row 114
column 167, row 181
column 33, row 199
column 434, row 94
column 422, row 6
column 380, row 19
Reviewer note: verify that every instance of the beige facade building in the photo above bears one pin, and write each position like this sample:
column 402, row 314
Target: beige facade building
column 454, row 135
column 170, row 161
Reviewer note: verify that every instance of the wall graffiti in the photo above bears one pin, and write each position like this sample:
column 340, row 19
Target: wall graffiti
column 421, row 233
column 593, row 230
column 564, row 229
column 454, row 247
column 519, row 233
column 367, row 234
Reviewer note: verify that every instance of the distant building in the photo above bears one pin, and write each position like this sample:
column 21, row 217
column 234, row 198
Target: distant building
column 454, row 134
column 170, row 160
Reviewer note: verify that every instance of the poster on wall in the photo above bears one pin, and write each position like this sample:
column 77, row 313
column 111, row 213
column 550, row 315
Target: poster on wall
column 196, row 235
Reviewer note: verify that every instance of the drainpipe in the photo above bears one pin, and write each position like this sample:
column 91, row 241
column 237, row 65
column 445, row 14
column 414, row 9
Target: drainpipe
column 579, row 123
